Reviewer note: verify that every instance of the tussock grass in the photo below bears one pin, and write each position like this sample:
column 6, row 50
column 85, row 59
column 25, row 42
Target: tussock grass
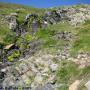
column 82, row 40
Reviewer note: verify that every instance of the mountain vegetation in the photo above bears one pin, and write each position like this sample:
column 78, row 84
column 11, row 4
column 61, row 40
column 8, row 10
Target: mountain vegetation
column 45, row 49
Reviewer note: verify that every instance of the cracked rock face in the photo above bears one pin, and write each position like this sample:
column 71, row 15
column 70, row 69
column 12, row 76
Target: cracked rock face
column 34, row 71
column 73, row 15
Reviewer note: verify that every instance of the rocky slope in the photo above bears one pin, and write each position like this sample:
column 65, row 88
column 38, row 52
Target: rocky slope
column 45, row 49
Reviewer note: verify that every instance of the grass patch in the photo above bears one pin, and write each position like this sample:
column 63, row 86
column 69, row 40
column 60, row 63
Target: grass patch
column 6, row 35
column 62, row 26
column 82, row 42
column 68, row 72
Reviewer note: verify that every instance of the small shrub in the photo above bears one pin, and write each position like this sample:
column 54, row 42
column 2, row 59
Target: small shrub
column 10, row 38
column 10, row 58
column 15, row 54
column 28, row 38
column 23, row 41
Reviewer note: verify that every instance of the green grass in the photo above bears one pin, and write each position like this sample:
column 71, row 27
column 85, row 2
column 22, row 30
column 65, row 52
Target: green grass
column 7, row 8
column 6, row 35
column 68, row 72
column 62, row 26
column 47, row 35
column 82, row 41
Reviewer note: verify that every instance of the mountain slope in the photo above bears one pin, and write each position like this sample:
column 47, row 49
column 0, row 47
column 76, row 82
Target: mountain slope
column 44, row 49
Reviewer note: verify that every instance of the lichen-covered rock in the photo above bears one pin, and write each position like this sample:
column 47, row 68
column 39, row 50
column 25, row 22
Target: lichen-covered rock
column 12, row 21
column 13, row 14
column 35, row 70
column 39, row 78
column 88, row 85
column 13, row 25
column 53, row 67
column 45, row 87
column 64, row 35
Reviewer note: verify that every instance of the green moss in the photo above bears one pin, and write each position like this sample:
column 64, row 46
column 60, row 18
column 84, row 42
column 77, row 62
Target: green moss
column 78, row 6
column 6, row 35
